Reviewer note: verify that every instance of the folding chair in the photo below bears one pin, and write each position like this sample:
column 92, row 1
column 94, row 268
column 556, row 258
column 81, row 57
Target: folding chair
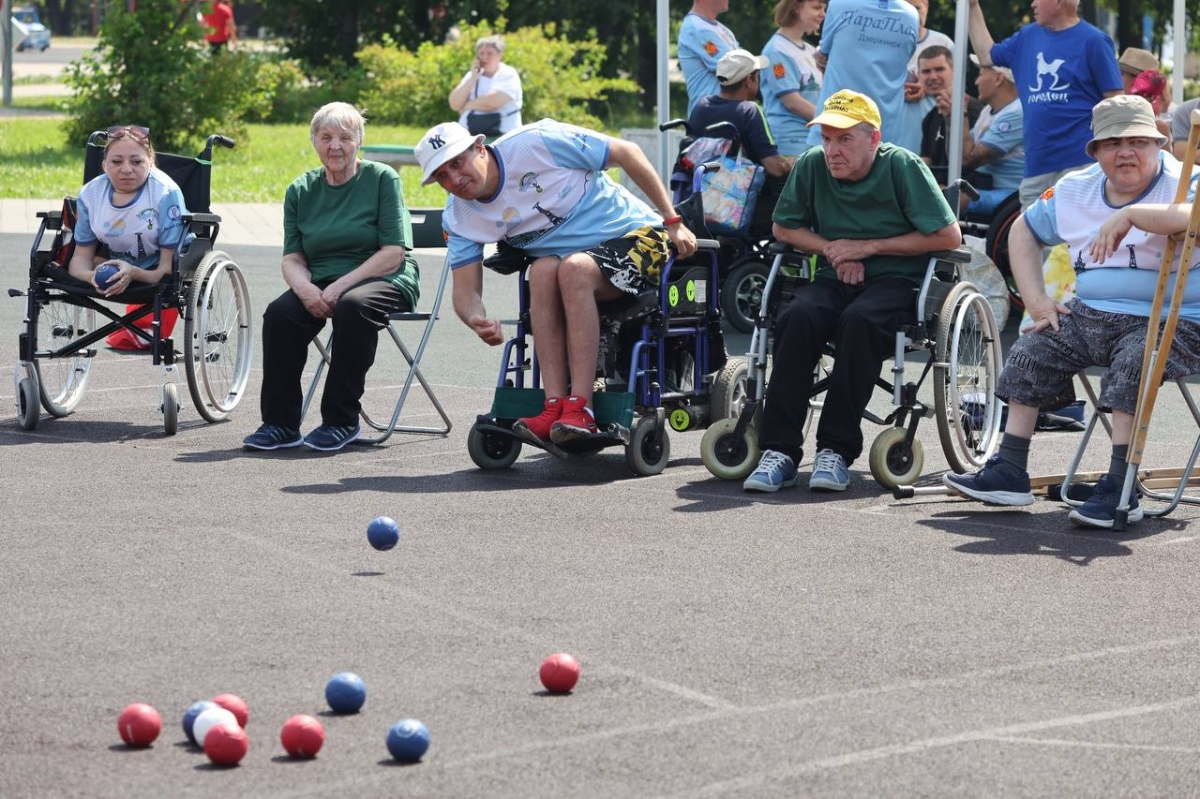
column 1159, row 337
column 427, row 233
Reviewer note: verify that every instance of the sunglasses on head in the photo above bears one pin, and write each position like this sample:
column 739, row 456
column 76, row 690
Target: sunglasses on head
column 136, row 131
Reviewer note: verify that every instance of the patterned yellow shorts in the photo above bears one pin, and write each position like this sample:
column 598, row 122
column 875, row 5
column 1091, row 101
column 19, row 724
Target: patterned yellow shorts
column 634, row 262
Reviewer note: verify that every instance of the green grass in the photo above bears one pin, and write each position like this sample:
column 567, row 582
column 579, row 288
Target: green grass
column 41, row 164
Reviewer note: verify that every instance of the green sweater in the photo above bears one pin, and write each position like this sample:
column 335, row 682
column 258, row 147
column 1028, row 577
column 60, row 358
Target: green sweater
column 337, row 228
column 896, row 197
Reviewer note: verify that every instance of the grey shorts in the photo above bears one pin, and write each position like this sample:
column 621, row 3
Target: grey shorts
column 1041, row 366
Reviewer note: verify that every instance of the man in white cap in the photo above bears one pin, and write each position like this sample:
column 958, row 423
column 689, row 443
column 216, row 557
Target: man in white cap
column 739, row 72
column 872, row 213
column 543, row 189
column 995, row 147
column 1115, row 217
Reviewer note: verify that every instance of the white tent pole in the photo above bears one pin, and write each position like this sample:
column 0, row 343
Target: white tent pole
column 1179, row 27
column 663, row 27
column 958, row 90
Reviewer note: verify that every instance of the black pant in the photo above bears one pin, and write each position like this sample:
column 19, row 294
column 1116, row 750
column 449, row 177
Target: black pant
column 288, row 329
column 861, row 321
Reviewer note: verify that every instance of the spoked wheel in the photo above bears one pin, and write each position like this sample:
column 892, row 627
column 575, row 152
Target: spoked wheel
column 893, row 461
column 967, row 366
column 170, row 408
column 996, row 245
column 726, row 455
column 27, row 403
column 61, row 380
column 728, row 394
column 642, row 453
column 742, row 293
column 490, row 450
column 218, row 337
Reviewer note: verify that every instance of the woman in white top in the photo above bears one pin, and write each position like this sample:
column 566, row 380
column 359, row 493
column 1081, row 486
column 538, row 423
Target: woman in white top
column 490, row 87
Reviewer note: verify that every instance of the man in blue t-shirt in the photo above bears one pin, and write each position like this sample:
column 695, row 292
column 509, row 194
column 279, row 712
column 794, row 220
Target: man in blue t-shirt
column 869, row 44
column 1063, row 67
column 739, row 73
column 702, row 42
column 543, row 188
column 994, row 148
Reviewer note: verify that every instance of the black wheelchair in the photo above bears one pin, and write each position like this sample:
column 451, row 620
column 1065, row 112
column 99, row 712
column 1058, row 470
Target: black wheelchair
column 60, row 331
column 663, row 366
column 955, row 327
column 994, row 229
column 744, row 258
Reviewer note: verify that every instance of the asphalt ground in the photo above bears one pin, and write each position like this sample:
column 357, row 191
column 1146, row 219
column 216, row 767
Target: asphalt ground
column 732, row 645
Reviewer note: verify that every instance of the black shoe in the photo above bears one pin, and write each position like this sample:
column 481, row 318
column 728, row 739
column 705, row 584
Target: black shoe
column 1101, row 508
column 997, row 483
column 329, row 438
column 273, row 436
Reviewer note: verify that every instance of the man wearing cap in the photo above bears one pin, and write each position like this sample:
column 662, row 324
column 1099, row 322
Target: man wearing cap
column 1133, row 62
column 739, row 72
column 542, row 188
column 702, row 42
column 871, row 212
column 1063, row 66
column 993, row 149
column 1117, row 254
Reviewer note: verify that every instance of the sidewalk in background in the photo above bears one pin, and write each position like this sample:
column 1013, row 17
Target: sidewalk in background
column 258, row 224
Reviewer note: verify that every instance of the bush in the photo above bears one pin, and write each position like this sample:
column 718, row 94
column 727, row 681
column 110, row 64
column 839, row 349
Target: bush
column 559, row 78
column 151, row 68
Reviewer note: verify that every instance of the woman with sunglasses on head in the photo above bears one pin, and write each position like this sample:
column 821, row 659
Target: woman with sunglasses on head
column 134, row 209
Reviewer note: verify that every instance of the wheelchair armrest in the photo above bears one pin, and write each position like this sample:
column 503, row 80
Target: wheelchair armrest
column 203, row 219
column 204, row 226
column 53, row 218
column 708, row 245
column 959, row 256
column 507, row 259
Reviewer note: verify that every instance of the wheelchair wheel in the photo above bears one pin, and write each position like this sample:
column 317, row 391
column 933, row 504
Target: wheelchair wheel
column 491, row 450
column 727, row 394
column 728, row 456
column 893, row 462
column 996, row 244
column 61, row 380
column 170, row 408
column 27, row 403
column 642, row 454
column 742, row 293
column 967, row 365
column 218, row 338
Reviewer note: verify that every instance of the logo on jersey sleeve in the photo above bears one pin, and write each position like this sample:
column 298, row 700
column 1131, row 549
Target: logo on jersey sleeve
column 778, row 70
column 710, row 47
column 1048, row 193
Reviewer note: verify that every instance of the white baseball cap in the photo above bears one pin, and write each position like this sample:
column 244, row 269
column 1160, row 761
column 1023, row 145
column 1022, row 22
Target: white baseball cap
column 738, row 64
column 441, row 143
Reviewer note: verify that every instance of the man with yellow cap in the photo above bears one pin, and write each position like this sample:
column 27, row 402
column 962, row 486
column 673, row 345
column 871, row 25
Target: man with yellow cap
column 872, row 213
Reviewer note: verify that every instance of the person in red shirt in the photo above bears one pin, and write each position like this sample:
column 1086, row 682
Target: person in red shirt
column 222, row 31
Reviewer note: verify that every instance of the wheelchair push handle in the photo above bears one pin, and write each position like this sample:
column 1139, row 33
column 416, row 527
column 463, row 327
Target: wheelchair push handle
column 671, row 124
column 958, row 188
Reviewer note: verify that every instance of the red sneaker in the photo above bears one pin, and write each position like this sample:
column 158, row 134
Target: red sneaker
column 577, row 420
column 537, row 428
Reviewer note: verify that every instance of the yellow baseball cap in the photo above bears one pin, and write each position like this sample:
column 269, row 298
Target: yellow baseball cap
column 847, row 108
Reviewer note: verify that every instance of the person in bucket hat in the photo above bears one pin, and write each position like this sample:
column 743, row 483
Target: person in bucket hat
column 543, row 190
column 1117, row 254
column 871, row 212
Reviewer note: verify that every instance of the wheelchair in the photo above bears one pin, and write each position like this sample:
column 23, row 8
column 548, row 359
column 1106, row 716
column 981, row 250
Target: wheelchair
column 955, row 327
column 664, row 366
column 744, row 258
column 994, row 229
column 59, row 331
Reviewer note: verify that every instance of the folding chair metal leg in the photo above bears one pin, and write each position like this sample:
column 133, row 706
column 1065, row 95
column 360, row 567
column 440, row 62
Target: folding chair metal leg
column 414, row 372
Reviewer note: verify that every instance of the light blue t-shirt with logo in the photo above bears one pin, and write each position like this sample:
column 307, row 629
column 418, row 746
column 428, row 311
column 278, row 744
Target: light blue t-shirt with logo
column 700, row 46
column 1060, row 76
column 136, row 231
column 869, row 44
column 554, row 197
column 791, row 69
column 1004, row 132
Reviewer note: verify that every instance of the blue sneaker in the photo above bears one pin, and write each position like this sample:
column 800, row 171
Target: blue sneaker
column 997, row 483
column 329, row 438
column 273, row 436
column 829, row 472
column 774, row 471
column 1101, row 508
